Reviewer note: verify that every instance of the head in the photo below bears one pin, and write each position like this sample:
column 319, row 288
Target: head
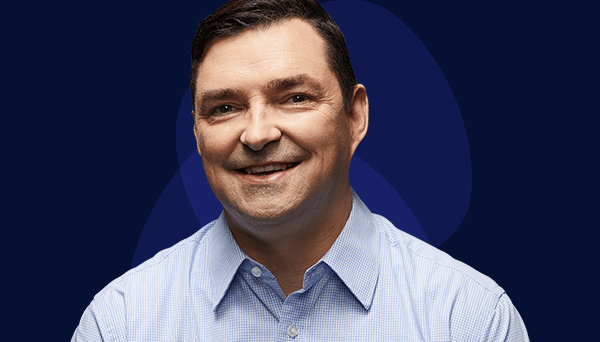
column 237, row 16
column 273, row 127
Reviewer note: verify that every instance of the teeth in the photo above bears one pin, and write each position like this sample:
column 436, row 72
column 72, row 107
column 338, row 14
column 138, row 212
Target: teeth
column 273, row 167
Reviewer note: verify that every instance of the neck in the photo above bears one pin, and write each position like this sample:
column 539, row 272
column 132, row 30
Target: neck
column 290, row 246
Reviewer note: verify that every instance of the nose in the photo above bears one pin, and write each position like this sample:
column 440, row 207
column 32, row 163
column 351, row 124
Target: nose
column 261, row 130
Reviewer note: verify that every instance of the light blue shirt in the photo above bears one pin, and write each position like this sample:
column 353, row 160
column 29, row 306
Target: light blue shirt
column 376, row 283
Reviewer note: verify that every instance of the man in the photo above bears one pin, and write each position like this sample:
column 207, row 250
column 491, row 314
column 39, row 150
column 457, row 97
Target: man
column 295, row 254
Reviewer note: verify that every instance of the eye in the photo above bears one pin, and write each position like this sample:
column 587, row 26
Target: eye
column 298, row 98
column 224, row 109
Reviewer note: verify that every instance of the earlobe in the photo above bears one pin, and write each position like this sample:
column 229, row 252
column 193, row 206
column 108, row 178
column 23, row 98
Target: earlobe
column 359, row 115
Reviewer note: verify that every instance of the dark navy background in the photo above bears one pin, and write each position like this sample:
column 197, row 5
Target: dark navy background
column 89, row 106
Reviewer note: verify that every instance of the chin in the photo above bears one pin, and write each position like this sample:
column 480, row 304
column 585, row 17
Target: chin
column 269, row 212
column 265, row 211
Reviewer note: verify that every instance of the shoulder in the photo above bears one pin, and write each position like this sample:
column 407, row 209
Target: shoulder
column 148, row 291
column 173, row 262
column 448, row 297
column 419, row 257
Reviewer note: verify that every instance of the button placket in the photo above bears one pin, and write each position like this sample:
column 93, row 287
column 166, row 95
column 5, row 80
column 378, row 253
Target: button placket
column 291, row 314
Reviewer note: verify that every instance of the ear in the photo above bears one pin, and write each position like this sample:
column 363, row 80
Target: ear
column 197, row 137
column 359, row 115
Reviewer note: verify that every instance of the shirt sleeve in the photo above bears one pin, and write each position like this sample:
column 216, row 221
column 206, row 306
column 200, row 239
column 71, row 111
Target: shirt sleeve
column 506, row 324
column 88, row 329
column 103, row 320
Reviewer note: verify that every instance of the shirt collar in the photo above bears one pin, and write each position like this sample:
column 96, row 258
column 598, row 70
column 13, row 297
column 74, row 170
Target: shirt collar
column 224, row 259
column 354, row 256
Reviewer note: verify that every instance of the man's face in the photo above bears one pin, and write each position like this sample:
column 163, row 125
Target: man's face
column 274, row 137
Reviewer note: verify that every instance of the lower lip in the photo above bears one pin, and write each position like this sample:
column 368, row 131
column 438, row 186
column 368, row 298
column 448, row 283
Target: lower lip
column 268, row 179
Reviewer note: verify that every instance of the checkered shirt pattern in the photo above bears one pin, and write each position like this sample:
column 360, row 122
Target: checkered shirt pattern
column 376, row 283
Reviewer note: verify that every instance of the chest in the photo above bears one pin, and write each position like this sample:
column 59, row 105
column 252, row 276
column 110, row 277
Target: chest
column 328, row 311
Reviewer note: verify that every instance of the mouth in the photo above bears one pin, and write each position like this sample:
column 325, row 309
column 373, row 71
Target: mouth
column 266, row 169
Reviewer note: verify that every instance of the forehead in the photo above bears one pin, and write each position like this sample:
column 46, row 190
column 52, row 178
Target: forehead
column 256, row 57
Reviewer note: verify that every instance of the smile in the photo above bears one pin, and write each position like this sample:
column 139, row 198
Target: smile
column 267, row 169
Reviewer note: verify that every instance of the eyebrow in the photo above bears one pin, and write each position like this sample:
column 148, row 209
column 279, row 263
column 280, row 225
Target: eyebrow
column 280, row 84
column 215, row 95
column 219, row 94
column 295, row 81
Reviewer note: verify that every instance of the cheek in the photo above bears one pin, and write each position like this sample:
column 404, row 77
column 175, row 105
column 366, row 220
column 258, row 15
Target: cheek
column 216, row 144
column 319, row 133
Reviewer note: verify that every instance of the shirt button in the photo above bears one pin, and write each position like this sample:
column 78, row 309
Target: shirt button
column 292, row 331
column 256, row 272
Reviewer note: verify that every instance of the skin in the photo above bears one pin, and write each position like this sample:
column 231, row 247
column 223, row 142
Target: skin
column 268, row 97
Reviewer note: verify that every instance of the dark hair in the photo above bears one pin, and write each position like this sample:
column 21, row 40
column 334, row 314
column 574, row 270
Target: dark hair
column 236, row 16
